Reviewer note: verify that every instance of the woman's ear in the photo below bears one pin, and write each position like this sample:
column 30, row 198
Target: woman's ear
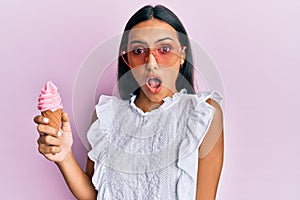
column 183, row 55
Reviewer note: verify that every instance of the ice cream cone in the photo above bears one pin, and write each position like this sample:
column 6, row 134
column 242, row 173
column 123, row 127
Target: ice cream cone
column 50, row 104
column 54, row 117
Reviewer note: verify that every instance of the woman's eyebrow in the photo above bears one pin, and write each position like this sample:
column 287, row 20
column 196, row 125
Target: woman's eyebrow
column 166, row 38
column 142, row 42
column 137, row 41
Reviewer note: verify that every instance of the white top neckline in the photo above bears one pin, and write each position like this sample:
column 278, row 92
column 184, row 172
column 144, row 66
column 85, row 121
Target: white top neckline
column 166, row 102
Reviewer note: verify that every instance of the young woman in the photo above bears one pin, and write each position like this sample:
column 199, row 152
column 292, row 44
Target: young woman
column 160, row 140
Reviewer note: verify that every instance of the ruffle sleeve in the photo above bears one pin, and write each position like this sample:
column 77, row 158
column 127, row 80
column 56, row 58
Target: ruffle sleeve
column 200, row 117
column 98, row 138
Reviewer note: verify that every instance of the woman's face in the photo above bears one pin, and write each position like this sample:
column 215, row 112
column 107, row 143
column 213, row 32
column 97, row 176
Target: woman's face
column 155, row 55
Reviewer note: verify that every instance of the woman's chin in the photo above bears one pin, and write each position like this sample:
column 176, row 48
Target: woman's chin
column 156, row 94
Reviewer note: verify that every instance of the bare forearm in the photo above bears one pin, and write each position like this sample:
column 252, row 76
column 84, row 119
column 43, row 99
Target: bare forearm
column 77, row 180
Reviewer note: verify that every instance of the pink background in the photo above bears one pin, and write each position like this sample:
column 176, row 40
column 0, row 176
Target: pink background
column 253, row 43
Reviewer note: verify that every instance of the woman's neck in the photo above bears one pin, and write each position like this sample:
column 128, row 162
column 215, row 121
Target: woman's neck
column 145, row 104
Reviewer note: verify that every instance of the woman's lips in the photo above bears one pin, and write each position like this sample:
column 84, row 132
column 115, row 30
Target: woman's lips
column 154, row 83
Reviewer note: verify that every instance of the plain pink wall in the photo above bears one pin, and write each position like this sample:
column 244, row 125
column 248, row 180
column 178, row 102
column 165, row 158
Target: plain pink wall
column 254, row 44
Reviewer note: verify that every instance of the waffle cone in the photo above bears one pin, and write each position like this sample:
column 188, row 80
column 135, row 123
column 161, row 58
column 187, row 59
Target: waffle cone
column 54, row 117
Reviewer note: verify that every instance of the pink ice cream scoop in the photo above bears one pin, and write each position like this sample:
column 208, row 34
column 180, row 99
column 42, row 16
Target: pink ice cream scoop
column 49, row 98
column 50, row 104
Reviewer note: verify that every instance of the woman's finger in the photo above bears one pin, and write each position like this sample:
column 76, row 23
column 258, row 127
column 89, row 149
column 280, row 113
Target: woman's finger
column 49, row 140
column 48, row 130
column 45, row 149
column 39, row 119
column 65, row 122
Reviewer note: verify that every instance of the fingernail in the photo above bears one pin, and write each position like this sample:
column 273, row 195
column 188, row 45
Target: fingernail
column 45, row 119
column 59, row 133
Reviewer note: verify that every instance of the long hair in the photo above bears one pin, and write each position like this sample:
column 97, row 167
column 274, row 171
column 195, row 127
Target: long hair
column 129, row 85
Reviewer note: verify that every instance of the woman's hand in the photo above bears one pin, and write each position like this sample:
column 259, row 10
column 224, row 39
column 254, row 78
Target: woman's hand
column 54, row 144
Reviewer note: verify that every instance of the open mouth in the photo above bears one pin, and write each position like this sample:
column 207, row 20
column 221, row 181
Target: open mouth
column 154, row 84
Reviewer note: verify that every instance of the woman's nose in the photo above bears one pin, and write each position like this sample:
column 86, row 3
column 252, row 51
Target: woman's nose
column 151, row 62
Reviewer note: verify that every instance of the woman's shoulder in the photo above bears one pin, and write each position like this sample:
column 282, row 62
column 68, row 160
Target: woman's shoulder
column 210, row 101
column 218, row 115
column 211, row 98
column 106, row 107
column 104, row 99
column 214, row 99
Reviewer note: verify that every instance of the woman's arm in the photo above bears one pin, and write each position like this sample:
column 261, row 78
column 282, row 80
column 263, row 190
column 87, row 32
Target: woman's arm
column 56, row 147
column 78, row 181
column 210, row 166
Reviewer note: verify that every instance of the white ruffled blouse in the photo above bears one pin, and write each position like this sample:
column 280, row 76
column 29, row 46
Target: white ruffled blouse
column 149, row 155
